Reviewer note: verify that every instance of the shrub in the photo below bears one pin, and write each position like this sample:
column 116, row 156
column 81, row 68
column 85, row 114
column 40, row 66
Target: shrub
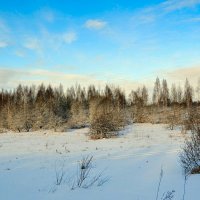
column 105, row 118
column 190, row 157
column 84, row 177
column 78, row 116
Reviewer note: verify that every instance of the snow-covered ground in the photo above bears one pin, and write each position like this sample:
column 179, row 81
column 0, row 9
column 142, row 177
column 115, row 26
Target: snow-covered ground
column 130, row 163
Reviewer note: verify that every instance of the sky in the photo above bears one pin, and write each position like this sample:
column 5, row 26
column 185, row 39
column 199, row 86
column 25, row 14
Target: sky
column 126, row 43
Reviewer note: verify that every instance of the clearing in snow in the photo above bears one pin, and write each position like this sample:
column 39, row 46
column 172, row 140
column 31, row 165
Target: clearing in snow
column 130, row 164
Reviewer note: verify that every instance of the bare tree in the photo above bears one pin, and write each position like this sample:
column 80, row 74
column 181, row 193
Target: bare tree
column 179, row 94
column 198, row 89
column 174, row 94
column 145, row 95
column 78, row 115
column 156, row 92
column 188, row 93
column 164, row 96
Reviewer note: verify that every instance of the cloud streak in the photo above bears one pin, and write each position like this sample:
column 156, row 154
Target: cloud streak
column 152, row 13
column 10, row 78
column 179, row 75
column 3, row 44
column 32, row 44
column 3, row 26
column 185, row 72
column 95, row 24
column 69, row 37
column 173, row 5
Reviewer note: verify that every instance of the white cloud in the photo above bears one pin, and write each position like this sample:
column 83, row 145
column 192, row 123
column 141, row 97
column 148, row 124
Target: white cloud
column 95, row 24
column 32, row 44
column 149, row 18
column 3, row 44
column 4, row 34
column 48, row 40
column 152, row 13
column 172, row 5
column 10, row 78
column 19, row 53
column 3, row 26
column 69, row 37
column 185, row 72
column 179, row 75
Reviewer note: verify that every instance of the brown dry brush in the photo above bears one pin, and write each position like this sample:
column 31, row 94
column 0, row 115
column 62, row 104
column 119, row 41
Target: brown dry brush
column 31, row 108
column 190, row 156
column 106, row 118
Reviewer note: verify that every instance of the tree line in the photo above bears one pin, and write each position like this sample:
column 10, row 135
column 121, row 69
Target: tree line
column 31, row 108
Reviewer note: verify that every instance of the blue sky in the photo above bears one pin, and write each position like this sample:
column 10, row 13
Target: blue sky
column 123, row 42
